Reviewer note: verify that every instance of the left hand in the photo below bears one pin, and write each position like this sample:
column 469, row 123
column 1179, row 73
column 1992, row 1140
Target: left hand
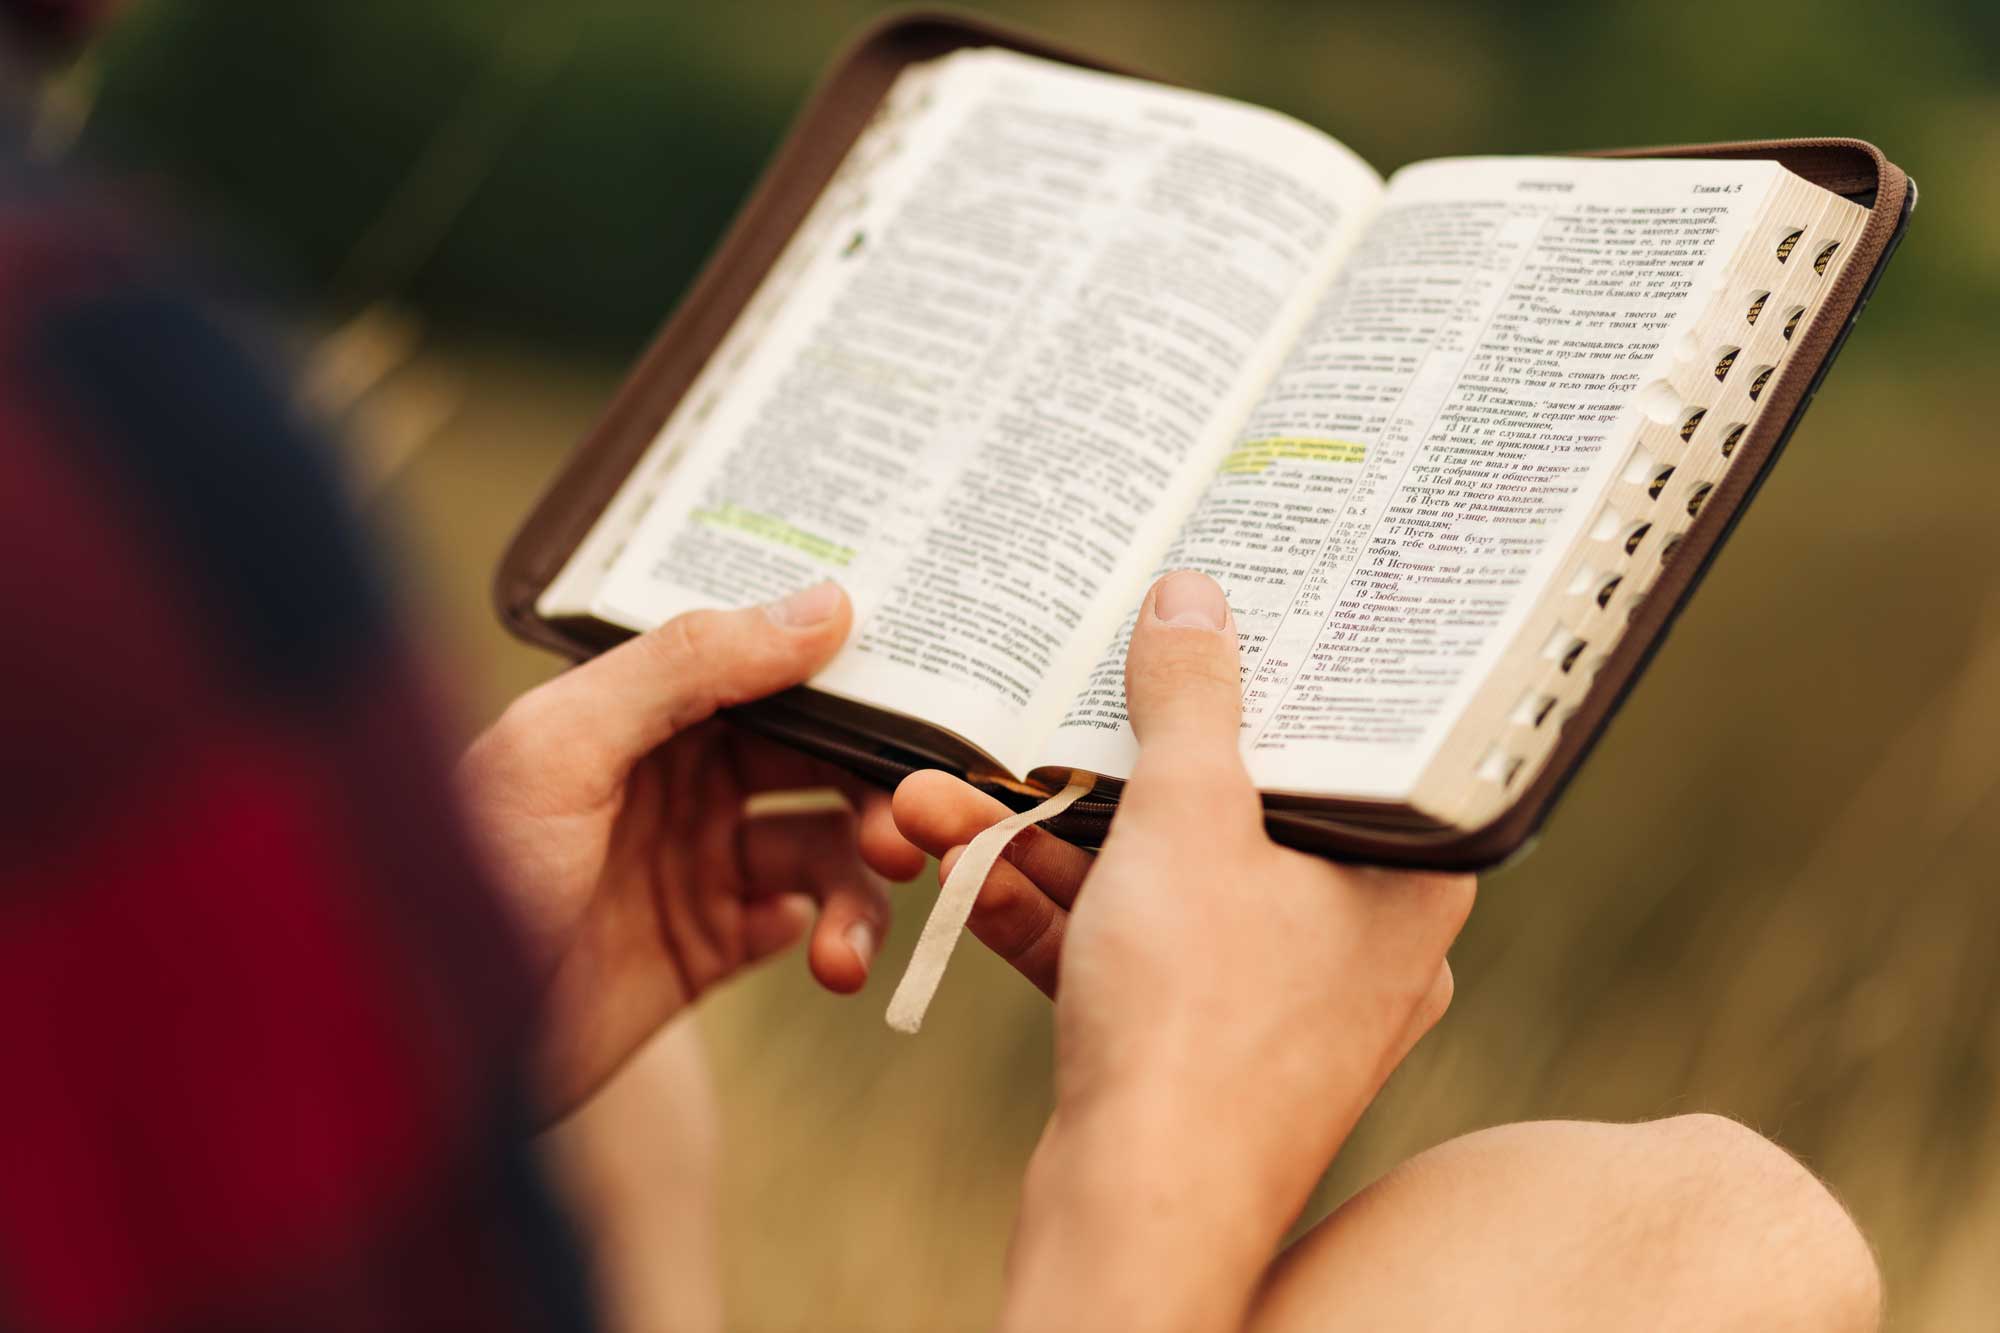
column 611, row 800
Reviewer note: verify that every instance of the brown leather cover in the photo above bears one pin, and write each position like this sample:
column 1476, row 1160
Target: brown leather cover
column 828, row 124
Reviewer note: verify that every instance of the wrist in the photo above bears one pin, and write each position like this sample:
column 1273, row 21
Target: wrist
column 1135, row 1217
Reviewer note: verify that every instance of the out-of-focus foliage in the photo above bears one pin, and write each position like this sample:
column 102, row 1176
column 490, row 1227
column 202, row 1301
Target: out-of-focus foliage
column 558, row 171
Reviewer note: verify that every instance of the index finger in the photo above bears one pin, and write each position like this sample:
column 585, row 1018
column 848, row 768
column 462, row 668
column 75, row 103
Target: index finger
column 939, row 812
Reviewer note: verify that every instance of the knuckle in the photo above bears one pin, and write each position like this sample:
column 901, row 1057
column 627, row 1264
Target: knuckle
column 1043, row 857
column 1007, row 920
column 1451, row 898
column 1181, row 676
column 872, row 896
column 1436, row 1000
column 1443, row 899
column 684, row 640
column 511, row 741
column 687, row 652
column 1407, row 984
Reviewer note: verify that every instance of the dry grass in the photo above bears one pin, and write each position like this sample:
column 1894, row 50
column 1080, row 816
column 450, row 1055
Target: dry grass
column 1770, row 895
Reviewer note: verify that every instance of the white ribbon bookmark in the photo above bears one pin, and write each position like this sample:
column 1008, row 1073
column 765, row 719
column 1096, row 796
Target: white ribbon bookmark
column 954, row 906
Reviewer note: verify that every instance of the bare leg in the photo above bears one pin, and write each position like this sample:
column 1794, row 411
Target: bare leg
column 1694, row 1223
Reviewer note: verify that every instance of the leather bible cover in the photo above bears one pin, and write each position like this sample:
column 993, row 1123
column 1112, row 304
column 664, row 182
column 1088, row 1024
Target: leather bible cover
column 823, row 130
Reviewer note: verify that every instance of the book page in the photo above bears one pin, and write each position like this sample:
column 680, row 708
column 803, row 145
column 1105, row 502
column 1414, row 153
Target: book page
column 990, row 400
column 1435, row 441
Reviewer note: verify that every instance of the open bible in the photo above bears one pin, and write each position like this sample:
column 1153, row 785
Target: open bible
column 1033, row 333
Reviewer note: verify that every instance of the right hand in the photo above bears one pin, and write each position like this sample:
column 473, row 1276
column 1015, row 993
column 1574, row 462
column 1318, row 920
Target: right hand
column 1225, row 1008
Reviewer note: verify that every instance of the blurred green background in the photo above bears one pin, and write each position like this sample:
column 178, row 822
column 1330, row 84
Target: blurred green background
column 1772, row 892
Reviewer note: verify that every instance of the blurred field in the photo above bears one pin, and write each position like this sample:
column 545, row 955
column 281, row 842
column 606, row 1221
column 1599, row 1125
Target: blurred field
column 1771, row 893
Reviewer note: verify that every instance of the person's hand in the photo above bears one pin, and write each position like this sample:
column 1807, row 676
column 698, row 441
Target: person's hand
column 1225, row 1008
column 612, row 803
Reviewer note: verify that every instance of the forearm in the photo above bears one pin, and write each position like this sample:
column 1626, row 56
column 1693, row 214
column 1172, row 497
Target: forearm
column 1130, row 1223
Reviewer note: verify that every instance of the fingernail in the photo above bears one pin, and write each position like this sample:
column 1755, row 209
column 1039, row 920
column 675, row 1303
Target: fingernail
column 861, row 939
column 808, row 606
column 1192, row 600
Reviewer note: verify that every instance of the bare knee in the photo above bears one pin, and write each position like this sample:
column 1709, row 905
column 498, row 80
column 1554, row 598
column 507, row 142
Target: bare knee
column 1694, row 1222
column 1749, row 1204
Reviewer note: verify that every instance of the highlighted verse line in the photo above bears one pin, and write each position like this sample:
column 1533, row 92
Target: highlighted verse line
column 1257, row 455
column 777, row 531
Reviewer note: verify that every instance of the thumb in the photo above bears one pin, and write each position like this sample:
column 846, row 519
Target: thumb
column 630, row 700
column 1181, row 682
column 1185, row 700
